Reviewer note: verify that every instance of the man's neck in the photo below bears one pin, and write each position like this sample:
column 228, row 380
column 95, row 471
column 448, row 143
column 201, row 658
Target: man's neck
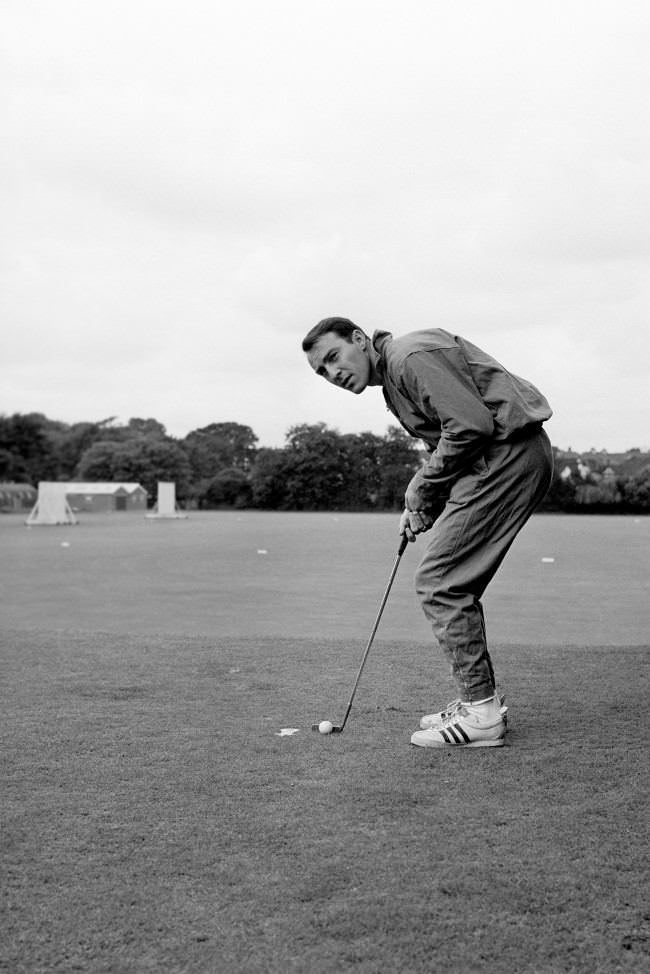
column 375, row 370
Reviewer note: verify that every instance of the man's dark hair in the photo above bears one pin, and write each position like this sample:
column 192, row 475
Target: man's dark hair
column 342, row 327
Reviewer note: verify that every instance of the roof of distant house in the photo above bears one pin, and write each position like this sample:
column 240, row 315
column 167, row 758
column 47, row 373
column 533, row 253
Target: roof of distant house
column 19, row 489
column 101, row 487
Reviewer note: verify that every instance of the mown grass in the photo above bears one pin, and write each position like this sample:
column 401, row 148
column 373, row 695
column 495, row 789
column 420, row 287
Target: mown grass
column 322, row 574
column 155, row 821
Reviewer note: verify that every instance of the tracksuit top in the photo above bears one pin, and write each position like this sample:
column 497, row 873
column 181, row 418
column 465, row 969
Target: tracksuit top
column 455, row 398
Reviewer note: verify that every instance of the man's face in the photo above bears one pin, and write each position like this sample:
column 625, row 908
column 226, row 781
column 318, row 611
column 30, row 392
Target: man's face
column 343, row 363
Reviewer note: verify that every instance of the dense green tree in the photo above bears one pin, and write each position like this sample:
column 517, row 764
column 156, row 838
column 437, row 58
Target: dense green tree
column 562, row 492
column 25, row 450
column 144, row 459
column 636, row 490
column 231, row 487
column 12, row 467
column 110, row 429
column 146, row 427
column 318, row 468
column 399, row 458
column 102, row 461
column 322, row 469
column 362, row 488
column 269, row 478
column 561, row 495
column 69, row 443
column 218, row 446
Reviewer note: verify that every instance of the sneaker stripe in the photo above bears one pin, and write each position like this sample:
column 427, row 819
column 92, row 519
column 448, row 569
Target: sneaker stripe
column 462, row 733
column 444, row 735
column 452, row 728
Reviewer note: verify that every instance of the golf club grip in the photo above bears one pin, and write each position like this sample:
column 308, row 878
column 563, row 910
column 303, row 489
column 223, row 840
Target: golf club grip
column 403, row 545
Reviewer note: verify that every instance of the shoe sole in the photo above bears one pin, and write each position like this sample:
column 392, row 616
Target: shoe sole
column 440, row 744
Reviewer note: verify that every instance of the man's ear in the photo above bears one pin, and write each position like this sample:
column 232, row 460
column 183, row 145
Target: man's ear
column 359, row 337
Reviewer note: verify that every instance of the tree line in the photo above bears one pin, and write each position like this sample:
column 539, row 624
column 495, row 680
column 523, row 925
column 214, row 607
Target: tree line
column 318, row 468
column 217, row 465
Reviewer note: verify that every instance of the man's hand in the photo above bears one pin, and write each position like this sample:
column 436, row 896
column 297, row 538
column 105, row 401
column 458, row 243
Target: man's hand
column 415, row 522
column 418, row 494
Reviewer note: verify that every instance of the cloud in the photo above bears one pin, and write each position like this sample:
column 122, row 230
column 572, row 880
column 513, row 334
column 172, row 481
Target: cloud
column 190, row 189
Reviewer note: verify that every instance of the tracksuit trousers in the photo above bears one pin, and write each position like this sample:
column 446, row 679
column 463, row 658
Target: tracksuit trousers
column 485, row 510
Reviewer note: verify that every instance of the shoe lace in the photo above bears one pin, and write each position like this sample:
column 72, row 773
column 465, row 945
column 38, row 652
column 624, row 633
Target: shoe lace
column 458, row 711
column 451, row 708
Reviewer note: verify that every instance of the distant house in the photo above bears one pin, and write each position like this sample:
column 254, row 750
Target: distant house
column 17, row 497
column 106, row 497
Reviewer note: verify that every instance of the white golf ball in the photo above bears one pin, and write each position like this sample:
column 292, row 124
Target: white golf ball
column 325, row 727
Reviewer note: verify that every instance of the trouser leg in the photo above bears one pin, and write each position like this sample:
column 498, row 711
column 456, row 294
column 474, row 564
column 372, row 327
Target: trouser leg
column 486, row 509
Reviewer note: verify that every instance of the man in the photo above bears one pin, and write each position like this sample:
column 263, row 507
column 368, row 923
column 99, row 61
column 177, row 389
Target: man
column 490, row 465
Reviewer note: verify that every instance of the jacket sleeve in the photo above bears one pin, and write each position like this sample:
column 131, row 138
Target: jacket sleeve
column 440, row 386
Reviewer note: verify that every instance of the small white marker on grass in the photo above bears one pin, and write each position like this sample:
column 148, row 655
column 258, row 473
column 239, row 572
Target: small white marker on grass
column 548, row 561
column 262, row 551
column 287, row 731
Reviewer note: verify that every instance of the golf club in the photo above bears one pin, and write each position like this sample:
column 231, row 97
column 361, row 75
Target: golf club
column 338, row 728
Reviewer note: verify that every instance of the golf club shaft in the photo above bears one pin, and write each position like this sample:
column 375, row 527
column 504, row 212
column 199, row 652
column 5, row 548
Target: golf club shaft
column 402, row 549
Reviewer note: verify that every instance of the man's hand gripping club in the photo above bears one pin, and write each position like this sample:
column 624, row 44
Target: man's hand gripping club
column 413, row 523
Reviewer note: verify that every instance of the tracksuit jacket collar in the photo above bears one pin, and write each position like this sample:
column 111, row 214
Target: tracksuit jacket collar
column 379, row 341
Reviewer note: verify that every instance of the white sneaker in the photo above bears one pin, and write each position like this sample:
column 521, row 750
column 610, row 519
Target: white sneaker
column 436, row 720
column 468, row 726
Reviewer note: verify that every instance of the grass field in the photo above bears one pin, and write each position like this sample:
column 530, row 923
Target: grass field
column 155, row 820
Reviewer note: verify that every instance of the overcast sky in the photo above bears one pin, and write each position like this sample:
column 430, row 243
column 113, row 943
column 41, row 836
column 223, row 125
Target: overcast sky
column 188, row 187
